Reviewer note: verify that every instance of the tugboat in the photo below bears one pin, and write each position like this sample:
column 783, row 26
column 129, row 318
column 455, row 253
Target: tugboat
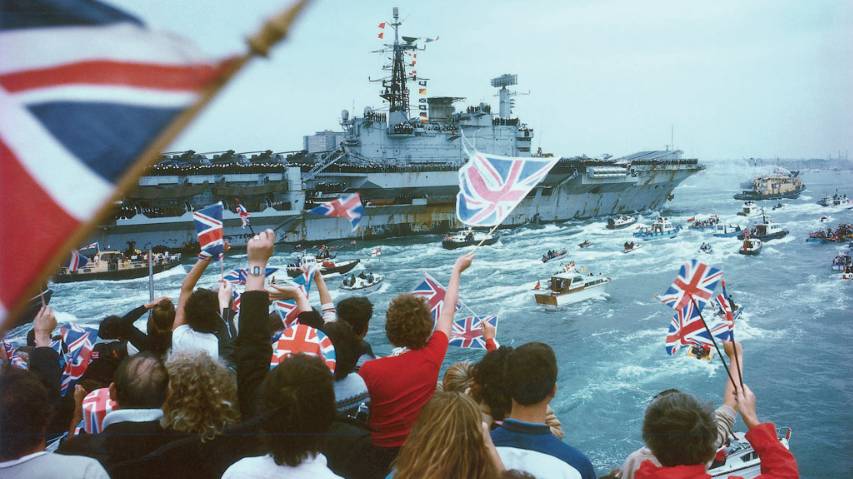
column 749, row 209
column 781, row 184
column 727, row 231
column 584, row 244
column 741, row 460
column 554, row 254
column 621, row 221
column 630, row 246
column 750, row 247
column 705, row 224
column 468, row 237
column 834, row 200
column 660, row 229
column 706, row 248
column 363, row 282
column 765, row 231
column 114, row 265
column 570, row 287
column 327, row 266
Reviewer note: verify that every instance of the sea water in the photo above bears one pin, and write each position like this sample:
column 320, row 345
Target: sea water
column 797, row 325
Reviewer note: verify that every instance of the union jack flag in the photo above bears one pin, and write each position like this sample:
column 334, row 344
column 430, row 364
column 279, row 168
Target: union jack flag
column 91, row 246
column 244, row 215
column 75, row 352
column 695, row 280
column 85, row 88
column 685, row 329
column 208, row 228
column 77, row 261
column 9, row 353
column 468, row 333
column 287, row 309
column 348, row 206
column 491, row 186
column 238, row 276
column 303, row 339
column 433, row 293
column 96, row 405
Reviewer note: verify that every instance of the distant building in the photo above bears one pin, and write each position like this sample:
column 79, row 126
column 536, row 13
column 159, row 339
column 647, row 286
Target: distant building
column 326, row 140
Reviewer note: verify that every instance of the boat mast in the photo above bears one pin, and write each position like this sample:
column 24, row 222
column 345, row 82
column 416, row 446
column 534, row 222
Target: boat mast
column 395, row 90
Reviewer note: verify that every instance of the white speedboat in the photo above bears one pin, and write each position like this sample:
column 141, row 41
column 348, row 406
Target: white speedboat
column 468, row 237
column 621, row 221
column 362, row 282
column 741, row 458
column 834, row 200
column 570, row 287
column 749, row 209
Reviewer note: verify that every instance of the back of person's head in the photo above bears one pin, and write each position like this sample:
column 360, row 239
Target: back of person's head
column 141, row 382
column 459, row 377
column 490, row 386
column 346, row 347
column 110, row 327
column 202, row 311
column 516, row 474
column 679, row 430
column 356, row 311
column 446, row 441
column 24, row 412
column 202, row 395
column 298, row 400
column 531, row 373
column 408, row 322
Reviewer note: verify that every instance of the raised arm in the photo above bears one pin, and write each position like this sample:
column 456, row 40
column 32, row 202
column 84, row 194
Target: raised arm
column 733, row 349
column 187, row 288
column 777, row 462
column 451, row 296
column 327, row 308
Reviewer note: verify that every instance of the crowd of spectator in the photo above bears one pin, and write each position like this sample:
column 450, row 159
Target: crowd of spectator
column 198, row 395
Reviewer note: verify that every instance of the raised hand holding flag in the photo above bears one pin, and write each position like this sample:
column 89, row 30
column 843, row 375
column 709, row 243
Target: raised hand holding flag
column 467, row 332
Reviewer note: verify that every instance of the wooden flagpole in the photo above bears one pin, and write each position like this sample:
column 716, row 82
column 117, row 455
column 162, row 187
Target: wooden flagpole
column 273, row 31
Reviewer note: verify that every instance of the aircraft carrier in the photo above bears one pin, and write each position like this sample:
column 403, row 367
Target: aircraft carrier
column 402, row 158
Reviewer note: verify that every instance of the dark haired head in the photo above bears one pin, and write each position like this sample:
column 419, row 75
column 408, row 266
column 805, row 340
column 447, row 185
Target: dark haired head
column 141, row 382
column 531, row 373
column 311, row 318
column 356, row 311
column 162, row 317
column 490, row 386
column 679, row 430
column 24, row 412
column 110, row 328
column 346, row 347
column 202, row 311
column 298, row 399
column 408, row 322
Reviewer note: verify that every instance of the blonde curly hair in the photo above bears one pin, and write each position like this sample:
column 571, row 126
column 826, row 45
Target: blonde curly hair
column 202, row 395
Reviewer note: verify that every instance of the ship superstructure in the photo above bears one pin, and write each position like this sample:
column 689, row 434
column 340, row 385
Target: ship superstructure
column 402, row 158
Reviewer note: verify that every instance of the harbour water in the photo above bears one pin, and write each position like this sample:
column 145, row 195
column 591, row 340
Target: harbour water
column 795, row 329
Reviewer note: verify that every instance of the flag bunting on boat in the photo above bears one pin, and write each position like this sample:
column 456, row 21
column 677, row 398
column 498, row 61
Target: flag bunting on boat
column 85, row 88
column 347, row 206
column 208, row 228
column 695, row 280
column 467, row 332
column 491, row 186
column 303, row 339
column 433, row 293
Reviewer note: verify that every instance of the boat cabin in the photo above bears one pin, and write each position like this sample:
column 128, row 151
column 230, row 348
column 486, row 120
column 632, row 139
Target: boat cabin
column 572, row 281
column 767, row 229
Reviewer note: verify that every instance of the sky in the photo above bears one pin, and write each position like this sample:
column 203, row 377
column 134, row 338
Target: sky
column 733, row 78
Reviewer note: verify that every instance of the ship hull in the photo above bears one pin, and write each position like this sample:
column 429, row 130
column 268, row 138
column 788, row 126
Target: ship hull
column 130, row 273
column 754, row 196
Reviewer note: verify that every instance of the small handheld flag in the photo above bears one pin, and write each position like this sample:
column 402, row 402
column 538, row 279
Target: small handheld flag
column 239, row 276
column 75, row 348
column 695, row 280
column 348, row 206
column 433, row 293
column 468, row 333
column 305, row 340
column 96, row 405
column 208, row 228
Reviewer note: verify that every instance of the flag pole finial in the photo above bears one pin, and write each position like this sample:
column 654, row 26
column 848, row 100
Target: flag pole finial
column 274, row 29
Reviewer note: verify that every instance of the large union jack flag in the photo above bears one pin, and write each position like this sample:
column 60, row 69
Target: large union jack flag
column 468, row 333
column 96, row 405
column 84, row 89
column 695, row 280
column 491, row 186
column 348, row 206
column 685, row 329
column 433, row 293
column 75, row 348
column 306, row 340
column 208, row 228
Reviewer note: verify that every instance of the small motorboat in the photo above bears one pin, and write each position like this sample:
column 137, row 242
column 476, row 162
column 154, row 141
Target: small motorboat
column 825, row 219
column 621, row 221
column 660, row 229
column 841, row 234
column 701, row 352
column 708, row 223
column 834, row 200
column 765, row 231
column 740, row 459
column 554, row 254
column 749, row 209
column 778, row 205
column 727, row 231
column 706, row 248
column 584, row 244
column 327, row 266
column 750, row 247
column 630, row 246
column 468, row 237
column 842, row 262
column 363, row 282
column 570, row 287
